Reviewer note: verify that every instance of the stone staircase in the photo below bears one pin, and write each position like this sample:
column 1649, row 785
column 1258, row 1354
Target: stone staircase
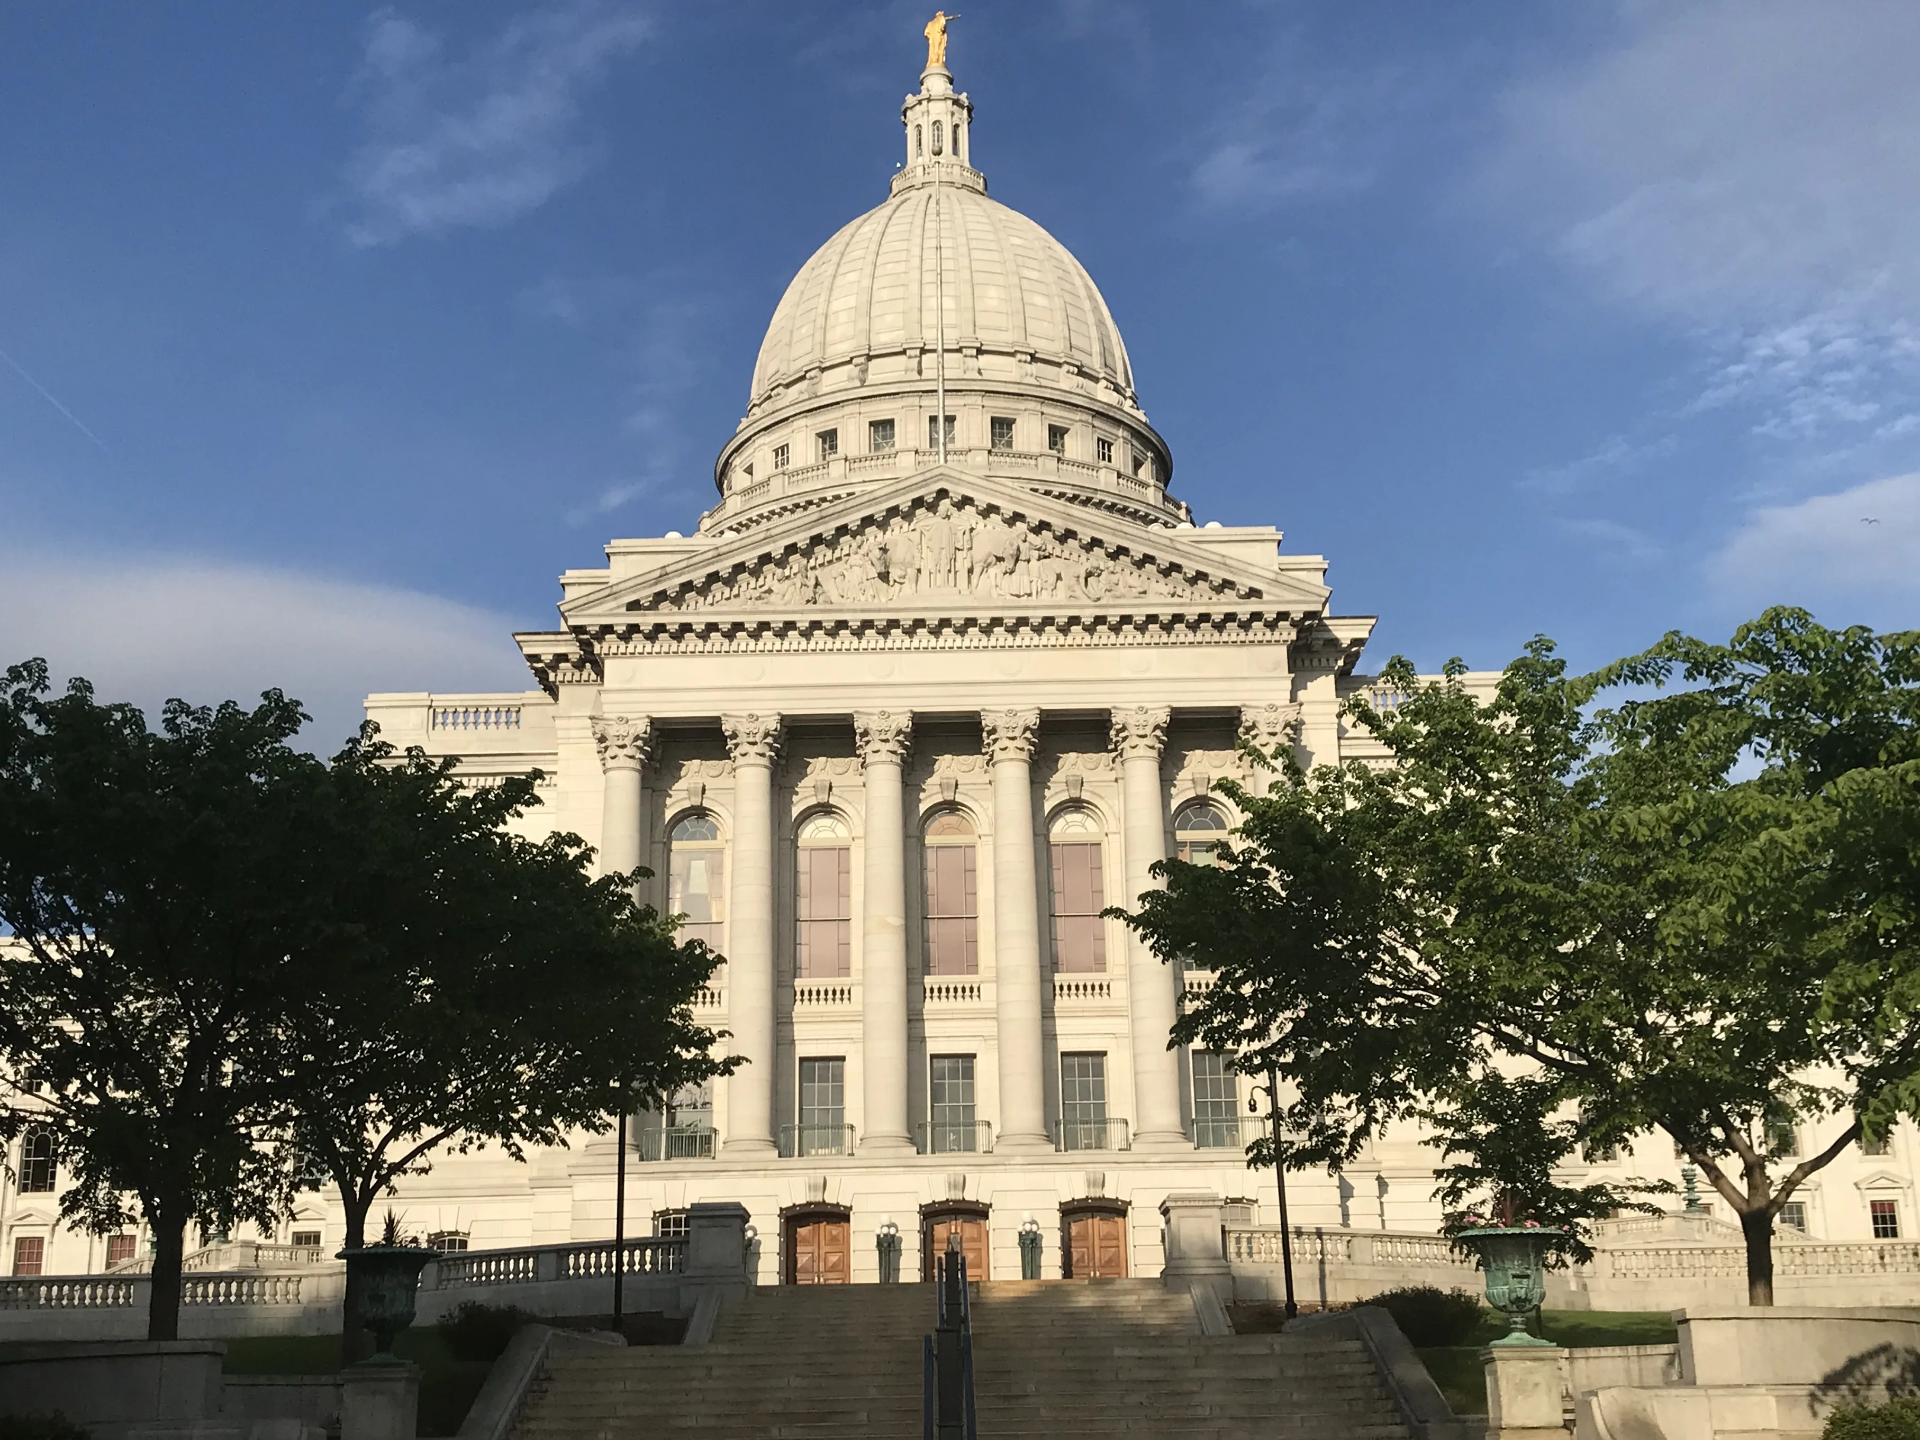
column 1051, row 1358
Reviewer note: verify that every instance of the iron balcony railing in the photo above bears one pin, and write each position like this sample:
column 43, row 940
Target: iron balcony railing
column 1226, row 1132
column 798, row 1141
column 953, row 1137
column 1090, row 1135
column 678, row 1142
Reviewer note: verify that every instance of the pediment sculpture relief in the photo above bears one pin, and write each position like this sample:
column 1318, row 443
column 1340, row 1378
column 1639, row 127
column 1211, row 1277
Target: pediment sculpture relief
column 944, row 549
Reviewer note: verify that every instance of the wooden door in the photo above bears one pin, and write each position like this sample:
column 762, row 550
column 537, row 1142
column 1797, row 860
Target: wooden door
column 1097, row 1247
column 971, row 1229
column 822, row 1252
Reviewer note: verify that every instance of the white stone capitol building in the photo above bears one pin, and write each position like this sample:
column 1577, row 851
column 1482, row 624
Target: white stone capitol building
column 945, row 670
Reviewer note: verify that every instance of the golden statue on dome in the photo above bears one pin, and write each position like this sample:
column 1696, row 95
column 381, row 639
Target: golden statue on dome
column 936, row 33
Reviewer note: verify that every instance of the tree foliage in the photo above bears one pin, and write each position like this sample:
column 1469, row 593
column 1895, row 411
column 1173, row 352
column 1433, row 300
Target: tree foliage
column 1691, row 911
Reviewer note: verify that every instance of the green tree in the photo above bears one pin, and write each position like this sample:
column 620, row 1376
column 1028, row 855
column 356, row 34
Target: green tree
column 1670, row 907
column 142, row 878
column 486, row 989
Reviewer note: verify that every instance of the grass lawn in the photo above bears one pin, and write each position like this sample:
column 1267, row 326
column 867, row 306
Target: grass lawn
column 447, row 1385
column 1457, row 1371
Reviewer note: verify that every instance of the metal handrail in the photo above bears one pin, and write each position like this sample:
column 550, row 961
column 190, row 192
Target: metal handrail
column 946, row 1371
column 1107, row 1134
column 953, row 1137
column 1226, row 1132
column 676, row 1142
column 798, row 1141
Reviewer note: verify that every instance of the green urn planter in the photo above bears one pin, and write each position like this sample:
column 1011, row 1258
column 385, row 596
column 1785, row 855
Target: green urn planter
column 383, row 1282
column 1514, row 1260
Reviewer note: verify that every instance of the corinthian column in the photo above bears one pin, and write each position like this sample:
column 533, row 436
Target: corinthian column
column 753, row 741
column 1009, row 736
column 623, row 742
column 1267, row 728
column 1139, row 732
column 883, row 736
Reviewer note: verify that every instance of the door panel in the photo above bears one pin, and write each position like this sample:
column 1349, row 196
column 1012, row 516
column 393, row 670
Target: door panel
column 1097, row 1247
column 973, row 1242
column 822, row 1252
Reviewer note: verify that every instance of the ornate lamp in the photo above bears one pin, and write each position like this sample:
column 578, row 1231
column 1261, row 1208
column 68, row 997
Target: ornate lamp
column 887, row 1241
column 1029, row 1249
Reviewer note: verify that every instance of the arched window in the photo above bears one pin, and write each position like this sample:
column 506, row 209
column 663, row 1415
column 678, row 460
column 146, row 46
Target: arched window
column 697, row 885
column 919, row 142
column 936, row 137
column 823, row 908
column 1198, row 829
column 958, row 130
column 1079, row 934
column 953, row 906
column 37, row 1170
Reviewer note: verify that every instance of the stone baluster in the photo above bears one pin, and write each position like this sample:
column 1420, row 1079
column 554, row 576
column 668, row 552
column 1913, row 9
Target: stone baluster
column 624, row 742
column 1139, row 733
column 753, row 741
column 883, row 737
column 1010, row 736
column 1267, row 727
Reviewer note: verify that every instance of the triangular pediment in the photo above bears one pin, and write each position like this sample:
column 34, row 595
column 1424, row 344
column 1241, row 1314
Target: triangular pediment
column 945, row 542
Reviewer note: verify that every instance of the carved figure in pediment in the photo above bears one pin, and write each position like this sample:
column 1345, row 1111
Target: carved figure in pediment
column 937, row 548
column 963, row 558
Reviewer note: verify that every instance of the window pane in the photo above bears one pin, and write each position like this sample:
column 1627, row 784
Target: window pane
column 697, row 889
column 1886, row 1219
column 825, row 894
column 37, row 1171
column 1057, row 439
column 1793, row 1216
column 952, row 911
column 1216, row 1100
column 1083, row 1088
column 823, row 1093
column 1002, row 432
column 1079, row 933
column 879, row 435
column 120, row 1247
column 933, row 431
column 29, row 1253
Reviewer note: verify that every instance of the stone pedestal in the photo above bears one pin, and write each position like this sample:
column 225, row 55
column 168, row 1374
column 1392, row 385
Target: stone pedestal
column 379, row 1400
column 1196, row 1248
column 1525, row 1392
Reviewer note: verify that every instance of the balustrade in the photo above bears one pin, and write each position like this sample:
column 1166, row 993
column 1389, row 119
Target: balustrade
column 476, row 717
column 65, row 1293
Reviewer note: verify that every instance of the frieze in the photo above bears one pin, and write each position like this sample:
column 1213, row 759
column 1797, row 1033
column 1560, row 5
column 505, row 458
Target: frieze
column 943, row 549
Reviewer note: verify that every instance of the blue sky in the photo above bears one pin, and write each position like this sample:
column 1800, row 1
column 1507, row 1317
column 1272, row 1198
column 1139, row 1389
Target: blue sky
column 332, row 334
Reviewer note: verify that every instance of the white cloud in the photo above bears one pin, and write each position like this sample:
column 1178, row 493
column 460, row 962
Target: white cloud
column 484, row 138
column 147, row 629
column 1857, row 548
column 1618, row 455
column 1617, row 541
column 1751, row 170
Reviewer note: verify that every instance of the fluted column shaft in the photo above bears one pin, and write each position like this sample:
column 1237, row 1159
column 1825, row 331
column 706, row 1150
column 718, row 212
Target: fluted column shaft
column 883, row 737
column 1139, row 732
column 1010, row 736
column 753, row 741
column 623, row 742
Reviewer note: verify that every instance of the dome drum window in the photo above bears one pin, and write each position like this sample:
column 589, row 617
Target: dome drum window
column 936, row 137
column 933, row 432
column 1057, row 439
column 826, row 444
column 880, row 436
column 1002, row 432
column 1102, row 451
column 780, row 453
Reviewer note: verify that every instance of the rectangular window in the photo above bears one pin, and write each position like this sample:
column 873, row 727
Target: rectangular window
column 1103, row 451
column 1881, row 1145
column 696, row 889
column 880, row 436
column 826, row 444
column 1083, row 1101
column 1079, row 932
column 1216, row 1101
column 1140, row 460
column 305, row 1239
column 823, row 1107
column 933, row 432
column 691, row 1107
column 1885, row 1215
column 950, row 1104
column 29, row 1254
column 1057, row 439
column 37, row 1173
column 952, row 911
column 1002, row 432
column 452, row 1242
column 670, row 1224
column 779, row 457
column 1793, row 1216
column 825, row 912
column 120, row 1249
column 1783, row 1139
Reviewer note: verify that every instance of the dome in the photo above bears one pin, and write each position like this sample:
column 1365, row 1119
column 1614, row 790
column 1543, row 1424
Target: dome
column 877, row 285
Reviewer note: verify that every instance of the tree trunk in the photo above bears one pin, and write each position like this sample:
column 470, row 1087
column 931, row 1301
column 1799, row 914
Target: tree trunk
column 1757, row 1226
column 169, row 1248
column 355, row 1343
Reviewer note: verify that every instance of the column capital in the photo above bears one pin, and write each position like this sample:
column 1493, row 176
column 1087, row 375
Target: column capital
column 624, row 741
column 882, row 734
column 752, row 738
column 1010, row 734
column 1270, row 726
column 1140, row 731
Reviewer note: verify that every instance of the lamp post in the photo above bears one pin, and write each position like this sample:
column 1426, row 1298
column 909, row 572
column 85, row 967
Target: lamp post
column 1029, row 1249
column 620, row 1209
column 887, row 1243
column 1272, row 1087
